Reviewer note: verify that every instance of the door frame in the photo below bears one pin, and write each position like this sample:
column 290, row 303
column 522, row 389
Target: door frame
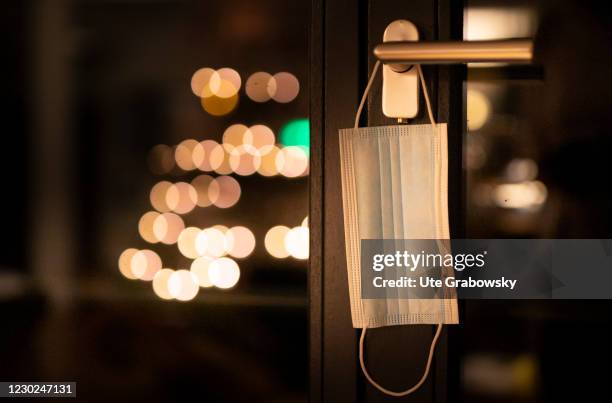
column 343, row 34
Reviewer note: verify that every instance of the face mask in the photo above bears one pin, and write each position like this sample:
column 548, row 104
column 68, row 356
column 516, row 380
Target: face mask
column 394, row 186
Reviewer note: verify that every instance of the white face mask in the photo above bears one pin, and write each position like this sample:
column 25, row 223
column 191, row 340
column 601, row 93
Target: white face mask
column 394, row 186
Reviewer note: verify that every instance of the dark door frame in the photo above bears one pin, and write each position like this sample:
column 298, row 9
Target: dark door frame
column 343, row 33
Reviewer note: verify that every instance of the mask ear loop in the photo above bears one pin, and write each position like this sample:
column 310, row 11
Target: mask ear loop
column 406, row 392
column 432, row 348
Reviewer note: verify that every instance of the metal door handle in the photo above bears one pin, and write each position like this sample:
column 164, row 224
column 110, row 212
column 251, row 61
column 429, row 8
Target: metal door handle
column 453, row 52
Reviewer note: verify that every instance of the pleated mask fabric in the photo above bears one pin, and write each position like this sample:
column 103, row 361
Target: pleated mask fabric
column 394, row 186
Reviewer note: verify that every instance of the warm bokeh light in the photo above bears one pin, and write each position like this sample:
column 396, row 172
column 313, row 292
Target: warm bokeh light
column 200, row 80
column 296, row 133
column 245, row 160
column 224, row 273
column 207, row 190
column 181, row 197
column 521, row 169
column 160, row 283
column 145, row 226
column 524, row 195
column 187, row 242
column 275, row 241
column 125, row 263
column 161, row 159
column 229, row 192
column 234, row 136
column 261, row 137
column 221, row 228
column 499, row 22
column 240, row 242
column 232, row 80
column 287, row 87
column 183, row 285
column 183, row 154
column 158, row 196
column 297, row 242
column 199, row 268
column 201, row 154
column 167, row 227
column 243, row 151
column 478, row 109
column 211, row 242
column 259, row 86
column 219, row 160
column 218, row 106
column 144, row 264
column 267, row 166
column 292, row 161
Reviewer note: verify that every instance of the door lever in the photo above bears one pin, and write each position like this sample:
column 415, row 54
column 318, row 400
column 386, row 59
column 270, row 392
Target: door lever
column 402, row 54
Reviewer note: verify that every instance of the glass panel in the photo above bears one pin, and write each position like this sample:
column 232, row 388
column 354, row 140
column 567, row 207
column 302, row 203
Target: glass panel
column 535, row 152
column 168, row 160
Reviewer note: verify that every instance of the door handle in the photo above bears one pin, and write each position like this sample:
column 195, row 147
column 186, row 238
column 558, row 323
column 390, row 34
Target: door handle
column 400, row 55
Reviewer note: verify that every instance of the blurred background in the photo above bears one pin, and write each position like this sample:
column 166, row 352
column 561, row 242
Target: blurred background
column 155, row 198
column 536, row 163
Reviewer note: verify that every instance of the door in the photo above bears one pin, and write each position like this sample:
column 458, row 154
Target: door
column 343, row 36
column 528, row 147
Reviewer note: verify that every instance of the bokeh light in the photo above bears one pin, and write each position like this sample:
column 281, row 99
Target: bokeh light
column 201, row 154
column 478, row 109
column 287, row 87
column 211, row 242
column 259, row 86
column 183, row 285
column 267, row 166
column 187, row 242
column 219, row 160
column 183, row 154
column 292, row 162
column 244, row 160
column 181, row 197
column 221, row 228
column 232, row 81
column 125, row 263
column 296, row 133
column 222, row 83
column 199, row 267
column 521, row 169
column 234, row 136
column 167, row 227
column 218, row 106
column 161, row 159
column 145, row 263
column 261, row 137
column 207, row 190
column 240, row 242
column 523, row 195
column 297, row 242
column 145, row 226
column 200, row 80
column 224, row 273
column 160, row 283
column 275, row 241
column 158, row 196
column 229, row 192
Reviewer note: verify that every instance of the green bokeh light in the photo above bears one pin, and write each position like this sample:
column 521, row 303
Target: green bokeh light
column 296, row 133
